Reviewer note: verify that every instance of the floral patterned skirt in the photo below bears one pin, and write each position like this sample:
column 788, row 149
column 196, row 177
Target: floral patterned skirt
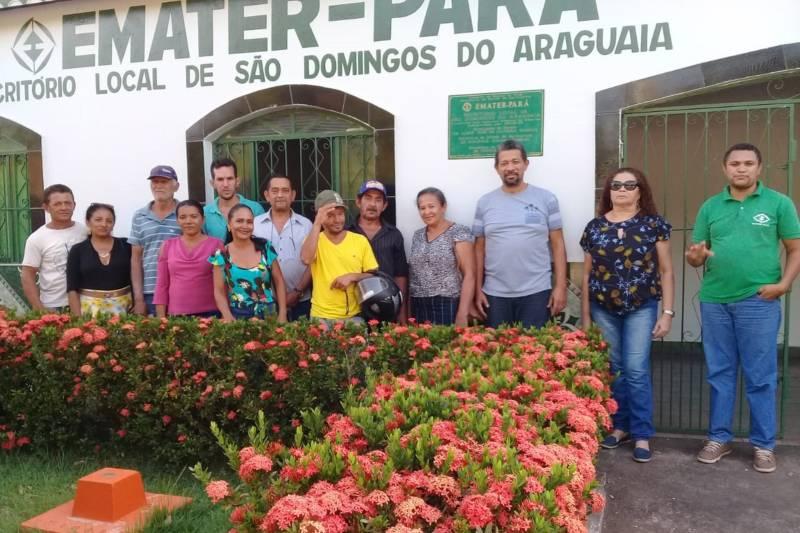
column 116, row 302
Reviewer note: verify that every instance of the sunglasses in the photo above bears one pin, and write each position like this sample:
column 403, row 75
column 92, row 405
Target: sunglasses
column 629, row 185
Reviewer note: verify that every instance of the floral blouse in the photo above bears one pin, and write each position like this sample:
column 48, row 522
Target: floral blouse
column 624, row 271
column 248, row 288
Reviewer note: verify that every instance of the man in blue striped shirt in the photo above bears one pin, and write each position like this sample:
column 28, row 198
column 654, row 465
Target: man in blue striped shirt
column 151, row 226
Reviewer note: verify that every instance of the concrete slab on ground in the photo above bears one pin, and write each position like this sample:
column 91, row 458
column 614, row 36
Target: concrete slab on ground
column 676, row 494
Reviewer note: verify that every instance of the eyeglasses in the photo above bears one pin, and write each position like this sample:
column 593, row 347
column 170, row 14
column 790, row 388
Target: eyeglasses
column 629, row 185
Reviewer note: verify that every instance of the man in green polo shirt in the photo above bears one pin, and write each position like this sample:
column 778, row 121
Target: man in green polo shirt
column 737, row 236
column 225, row 181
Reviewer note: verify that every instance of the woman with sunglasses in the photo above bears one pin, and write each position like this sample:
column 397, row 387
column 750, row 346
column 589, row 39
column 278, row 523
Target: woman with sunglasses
column 185, row 280
column 99, row 268
column 247, row 278
column 627, row 269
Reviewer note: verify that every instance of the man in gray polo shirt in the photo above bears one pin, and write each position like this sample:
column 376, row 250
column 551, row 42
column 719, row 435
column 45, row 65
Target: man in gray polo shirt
column 518, row 235
column 151, row 226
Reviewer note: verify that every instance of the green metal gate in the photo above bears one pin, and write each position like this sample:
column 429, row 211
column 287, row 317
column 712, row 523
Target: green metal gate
column 15, row 224
column 315, row 149
column 680, row 149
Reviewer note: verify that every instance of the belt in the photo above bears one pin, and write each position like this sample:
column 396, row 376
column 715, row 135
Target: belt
column 91, row 293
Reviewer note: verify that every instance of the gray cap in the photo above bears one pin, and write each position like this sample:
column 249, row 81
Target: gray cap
column 327, row 197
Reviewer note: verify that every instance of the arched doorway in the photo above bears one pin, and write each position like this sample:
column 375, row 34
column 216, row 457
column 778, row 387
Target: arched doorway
column 319, row 137
column 20, row 204
column 676, row 127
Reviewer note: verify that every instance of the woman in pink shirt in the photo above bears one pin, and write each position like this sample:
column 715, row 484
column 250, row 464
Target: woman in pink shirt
column 185, row 282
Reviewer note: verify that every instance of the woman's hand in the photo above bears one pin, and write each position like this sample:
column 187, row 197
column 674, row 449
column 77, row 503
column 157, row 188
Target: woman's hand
column 663, row 325
column 462, row 320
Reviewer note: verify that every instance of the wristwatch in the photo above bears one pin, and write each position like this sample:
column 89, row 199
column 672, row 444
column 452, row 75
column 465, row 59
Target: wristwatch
column 669, row 312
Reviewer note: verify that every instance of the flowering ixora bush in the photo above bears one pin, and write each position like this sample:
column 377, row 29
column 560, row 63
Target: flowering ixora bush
column 498, row 432
column 151, row 386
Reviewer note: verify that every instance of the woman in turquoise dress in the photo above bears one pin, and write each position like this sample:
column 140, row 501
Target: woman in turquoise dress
column 247, row 278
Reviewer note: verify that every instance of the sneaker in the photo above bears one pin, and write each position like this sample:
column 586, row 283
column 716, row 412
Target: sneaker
column 713, row 451
column 763, row 460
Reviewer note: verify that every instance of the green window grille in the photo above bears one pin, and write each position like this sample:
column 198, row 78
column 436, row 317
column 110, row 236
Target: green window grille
column 15, row 223
column 316, row 149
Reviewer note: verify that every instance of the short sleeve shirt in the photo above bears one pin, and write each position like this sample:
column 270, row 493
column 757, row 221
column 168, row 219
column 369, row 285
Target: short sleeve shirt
column 215, row 224
column 389, row 249
column 86, row 271
column 288, row 242
column 47, row 250
column 352, row 255
column 149, row 232
column 517, row 231
column 745, row 237
column 249, row 289
column 624, row 271
column 433, row 266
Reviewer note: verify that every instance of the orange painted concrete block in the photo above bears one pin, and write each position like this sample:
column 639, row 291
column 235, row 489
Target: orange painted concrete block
column 110, row 500
column 109, row 494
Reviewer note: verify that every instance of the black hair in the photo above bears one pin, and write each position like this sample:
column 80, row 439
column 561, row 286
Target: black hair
column 238, row 207
column 223, row 162
column 745, row 147
column 510, row 144
column 268, row 182
column 434, row 192
column 258, row 242
column 56, row 188
column 189, row 203
column 94, row 207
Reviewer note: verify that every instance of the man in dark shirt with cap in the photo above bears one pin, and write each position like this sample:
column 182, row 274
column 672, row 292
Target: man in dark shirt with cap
column 385, row 239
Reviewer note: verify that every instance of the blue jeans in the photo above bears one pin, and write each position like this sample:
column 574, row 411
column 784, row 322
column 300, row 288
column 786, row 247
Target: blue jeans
column 299, row 311
column 148, row 302
column 530, row 311
column 434, row 309
column 248, row 313
column 629, row 338
column 743, row 332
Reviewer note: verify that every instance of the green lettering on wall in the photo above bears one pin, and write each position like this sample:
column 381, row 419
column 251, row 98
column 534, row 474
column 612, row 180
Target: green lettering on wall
column 238, row 24
column 523, row 50
column 627, row 40
column 661, row 37
column 458, row 15
column 205, row 23
column 170, row 16
column 563, row 45
column 73, row 39
column 300, row 22
column 487, row 14
column 553, row 9
column 110, row 36
column 386, row 11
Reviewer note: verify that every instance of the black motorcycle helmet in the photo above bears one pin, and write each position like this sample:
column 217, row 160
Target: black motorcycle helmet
column 380, row 297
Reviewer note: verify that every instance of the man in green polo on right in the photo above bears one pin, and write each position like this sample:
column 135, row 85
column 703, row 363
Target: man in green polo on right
column 737, row 236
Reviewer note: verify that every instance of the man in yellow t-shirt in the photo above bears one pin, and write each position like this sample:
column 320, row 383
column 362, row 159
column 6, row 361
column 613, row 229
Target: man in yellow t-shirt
column 338, row 259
